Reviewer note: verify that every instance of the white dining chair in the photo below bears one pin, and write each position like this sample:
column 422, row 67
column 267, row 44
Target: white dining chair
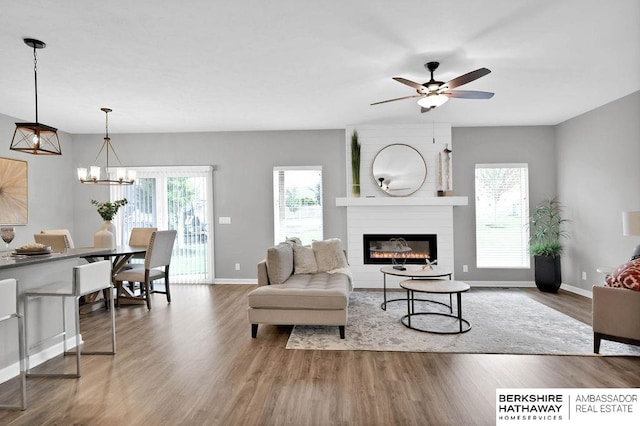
column 140, row 237
column 8, row 311
column 62, row 231
column 158, row 255
column 59, row 243
column 87, row 279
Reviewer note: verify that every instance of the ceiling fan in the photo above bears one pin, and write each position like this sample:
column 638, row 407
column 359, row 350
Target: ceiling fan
column 434, row 93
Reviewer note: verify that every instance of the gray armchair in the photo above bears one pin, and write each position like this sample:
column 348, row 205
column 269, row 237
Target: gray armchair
column 616, row 316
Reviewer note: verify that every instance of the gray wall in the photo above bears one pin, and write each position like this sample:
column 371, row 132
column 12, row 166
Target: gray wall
column 242, row 179
column 50, row 177
column 598, row 178
column 532, row 145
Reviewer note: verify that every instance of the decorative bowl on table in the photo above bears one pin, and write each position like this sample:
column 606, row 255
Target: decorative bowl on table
column 33, row 249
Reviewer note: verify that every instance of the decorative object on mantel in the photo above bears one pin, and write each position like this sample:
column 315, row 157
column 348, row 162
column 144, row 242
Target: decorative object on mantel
column 440, row 190
column 445, row 190
column 93, row 177
column 434, row 93
column 106, row 235
column 35, row 138
column 355, row 164
column 14, row 192
column 545, row 224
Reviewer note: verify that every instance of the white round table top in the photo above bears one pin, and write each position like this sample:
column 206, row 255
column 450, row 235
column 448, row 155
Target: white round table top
column 435, row 286
column 418, row 271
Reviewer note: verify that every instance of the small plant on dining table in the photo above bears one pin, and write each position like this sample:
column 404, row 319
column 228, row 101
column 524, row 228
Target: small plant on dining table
column 107, row 210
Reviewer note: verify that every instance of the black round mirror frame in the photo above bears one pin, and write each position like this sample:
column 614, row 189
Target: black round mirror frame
column 399, row 170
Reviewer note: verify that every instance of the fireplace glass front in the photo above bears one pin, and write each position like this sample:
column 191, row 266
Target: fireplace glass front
column 385, row 249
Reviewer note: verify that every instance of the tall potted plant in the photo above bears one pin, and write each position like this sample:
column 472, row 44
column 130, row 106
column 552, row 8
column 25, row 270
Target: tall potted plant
column 546, row 223
column 355, row 164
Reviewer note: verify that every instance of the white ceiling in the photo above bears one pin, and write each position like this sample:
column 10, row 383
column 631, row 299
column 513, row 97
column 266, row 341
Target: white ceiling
column 203, row 65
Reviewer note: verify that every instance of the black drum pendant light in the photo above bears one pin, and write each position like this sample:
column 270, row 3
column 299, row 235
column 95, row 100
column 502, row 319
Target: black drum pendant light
column 35, row 138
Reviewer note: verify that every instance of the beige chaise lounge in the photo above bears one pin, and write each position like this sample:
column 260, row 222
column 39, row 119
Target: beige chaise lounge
column 302, row 296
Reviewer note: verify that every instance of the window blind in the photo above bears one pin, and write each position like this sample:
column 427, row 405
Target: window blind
column 179, row 198
column 297, row 204
column 502, row 214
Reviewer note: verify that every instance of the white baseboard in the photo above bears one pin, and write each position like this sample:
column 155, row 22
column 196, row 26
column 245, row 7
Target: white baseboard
column 235, row 281
column 13, row 370
column 577, row 290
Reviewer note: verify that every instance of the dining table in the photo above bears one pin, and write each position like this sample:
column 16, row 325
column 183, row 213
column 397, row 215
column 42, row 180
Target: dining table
column 119, row 257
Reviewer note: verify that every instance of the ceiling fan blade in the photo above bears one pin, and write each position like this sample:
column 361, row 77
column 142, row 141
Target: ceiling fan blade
column 409, row 83
column 468, row 94
column 467, row 78
column 423, row 109
column 396, row 99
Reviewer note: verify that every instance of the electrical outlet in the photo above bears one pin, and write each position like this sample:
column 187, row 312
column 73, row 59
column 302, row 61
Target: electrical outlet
column 237, row 266
column 584, row 275
column 224, row 220
column 465, row 268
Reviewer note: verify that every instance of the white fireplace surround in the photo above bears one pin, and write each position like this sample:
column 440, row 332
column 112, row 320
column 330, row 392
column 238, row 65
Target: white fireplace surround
column 399, row 217
column 374, row 212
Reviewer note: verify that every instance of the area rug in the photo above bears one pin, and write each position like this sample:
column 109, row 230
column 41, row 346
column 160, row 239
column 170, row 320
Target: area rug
column 503, row 321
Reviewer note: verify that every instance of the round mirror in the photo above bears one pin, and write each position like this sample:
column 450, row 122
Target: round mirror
column 399, row 170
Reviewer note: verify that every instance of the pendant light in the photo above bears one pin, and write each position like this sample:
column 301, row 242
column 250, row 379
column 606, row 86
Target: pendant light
column 35, row 138
column 93, row 176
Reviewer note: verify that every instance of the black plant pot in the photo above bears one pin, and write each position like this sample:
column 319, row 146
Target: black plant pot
column 547, row 273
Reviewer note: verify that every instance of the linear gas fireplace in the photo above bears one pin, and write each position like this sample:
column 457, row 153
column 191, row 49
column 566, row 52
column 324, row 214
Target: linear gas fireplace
column 385, row 249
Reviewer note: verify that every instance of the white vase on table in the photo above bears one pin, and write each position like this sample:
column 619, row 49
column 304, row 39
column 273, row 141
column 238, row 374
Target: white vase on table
column 106, row 236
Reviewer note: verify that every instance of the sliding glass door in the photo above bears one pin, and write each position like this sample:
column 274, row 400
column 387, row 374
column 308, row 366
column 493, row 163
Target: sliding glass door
column 179, row 198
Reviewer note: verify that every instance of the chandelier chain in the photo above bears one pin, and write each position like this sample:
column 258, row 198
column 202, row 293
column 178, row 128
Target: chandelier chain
column 35, row 78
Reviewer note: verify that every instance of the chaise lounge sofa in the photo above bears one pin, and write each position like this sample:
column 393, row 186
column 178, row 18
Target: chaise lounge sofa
column 301, row 285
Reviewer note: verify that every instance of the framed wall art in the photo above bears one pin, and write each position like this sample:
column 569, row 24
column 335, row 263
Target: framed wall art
column 14, row 192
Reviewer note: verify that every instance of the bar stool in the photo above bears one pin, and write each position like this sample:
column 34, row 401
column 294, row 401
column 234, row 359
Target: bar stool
column 87, row 279
column 9, row 310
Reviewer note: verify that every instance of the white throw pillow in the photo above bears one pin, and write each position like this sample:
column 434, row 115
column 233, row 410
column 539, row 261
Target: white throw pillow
column 329, row 254
column 279, row 263
column 304, row 260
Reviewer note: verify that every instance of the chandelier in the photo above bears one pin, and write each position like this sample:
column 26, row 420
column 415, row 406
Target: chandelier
column 93, row 176
column 35, row 138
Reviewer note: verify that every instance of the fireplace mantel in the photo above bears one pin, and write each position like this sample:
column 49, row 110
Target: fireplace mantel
column 401, row 201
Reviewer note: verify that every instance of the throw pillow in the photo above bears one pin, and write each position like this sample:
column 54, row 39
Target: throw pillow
column 329, row 254
column 304, row 261
column 279, row 263
column 626, row 276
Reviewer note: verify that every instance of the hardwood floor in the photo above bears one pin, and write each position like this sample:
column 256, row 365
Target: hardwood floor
column 193, row 362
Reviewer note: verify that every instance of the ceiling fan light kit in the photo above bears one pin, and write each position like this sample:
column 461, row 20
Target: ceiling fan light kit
column 432, row 100
column 433, row 93
column 35, row 138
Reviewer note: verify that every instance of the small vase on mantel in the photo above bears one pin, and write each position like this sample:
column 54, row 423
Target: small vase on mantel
column 106, row 236
column 355, row 189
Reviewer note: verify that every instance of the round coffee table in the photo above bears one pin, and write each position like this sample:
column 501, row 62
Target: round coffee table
column 411, row 271
column 438, row 287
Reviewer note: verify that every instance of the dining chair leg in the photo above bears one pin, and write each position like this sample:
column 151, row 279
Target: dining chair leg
column 166, row 284
column 147, row 294
column 118, row 289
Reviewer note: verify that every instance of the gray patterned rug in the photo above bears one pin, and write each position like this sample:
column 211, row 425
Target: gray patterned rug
column 504, row 321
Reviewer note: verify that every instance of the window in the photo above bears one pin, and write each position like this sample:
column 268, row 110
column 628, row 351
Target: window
column 502, row 215
column 177, row 198
column 297, row 204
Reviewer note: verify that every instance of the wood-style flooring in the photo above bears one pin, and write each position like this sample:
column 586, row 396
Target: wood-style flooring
column 193, row 362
